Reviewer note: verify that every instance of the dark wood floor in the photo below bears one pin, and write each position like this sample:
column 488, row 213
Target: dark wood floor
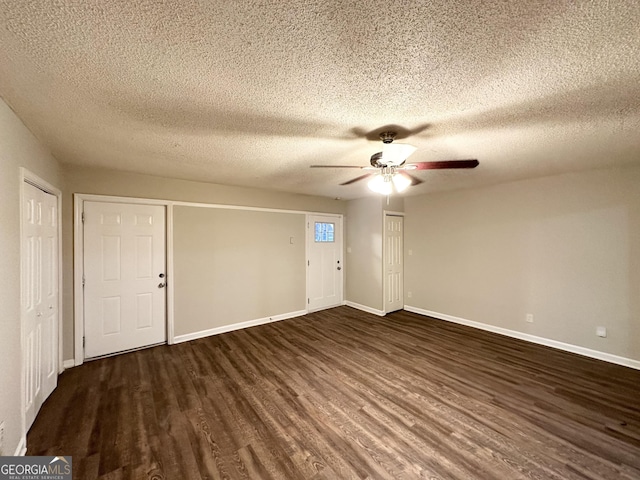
column 343, row 394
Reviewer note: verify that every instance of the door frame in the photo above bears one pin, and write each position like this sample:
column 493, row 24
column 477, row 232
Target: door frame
column 390, row 213
column 78, row 263
column 27, row 176
column 308, row 236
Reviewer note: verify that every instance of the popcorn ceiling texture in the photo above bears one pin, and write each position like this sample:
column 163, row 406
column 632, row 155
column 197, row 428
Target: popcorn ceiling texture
column 251, row 93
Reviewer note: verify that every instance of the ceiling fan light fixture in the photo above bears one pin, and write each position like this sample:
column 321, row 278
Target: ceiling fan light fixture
column 396, row 153
column 381, row 184
column 400, row 182
column 391, row 167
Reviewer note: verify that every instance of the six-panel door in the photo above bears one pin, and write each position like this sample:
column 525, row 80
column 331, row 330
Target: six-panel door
column 393, row 263
column 39, row 298
column 124, row 265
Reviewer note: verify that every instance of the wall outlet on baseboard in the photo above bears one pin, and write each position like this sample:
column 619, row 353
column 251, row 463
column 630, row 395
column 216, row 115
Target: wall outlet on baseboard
column 601, row 332
column 409, row 294
column 529, row 317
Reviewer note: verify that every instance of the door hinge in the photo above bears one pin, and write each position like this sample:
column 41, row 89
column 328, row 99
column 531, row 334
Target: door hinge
column 82, row 217
column 308, row 264
column 308, row 302
column 83, row 342
column 83, row 280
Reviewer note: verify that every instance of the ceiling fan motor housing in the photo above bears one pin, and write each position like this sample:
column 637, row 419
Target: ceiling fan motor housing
column 387, row 137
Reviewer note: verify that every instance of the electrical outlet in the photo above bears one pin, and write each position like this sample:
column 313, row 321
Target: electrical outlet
column 409, row 294
column 601, row 332
column 529, row 318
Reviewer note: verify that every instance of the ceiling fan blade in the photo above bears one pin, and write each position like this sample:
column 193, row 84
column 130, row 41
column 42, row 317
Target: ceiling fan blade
column 335, row 166
column 442, row 164
column 414, row 180
column 357, row 179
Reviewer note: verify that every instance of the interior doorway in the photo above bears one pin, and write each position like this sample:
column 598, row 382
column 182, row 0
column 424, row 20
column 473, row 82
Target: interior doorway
column 124, row 276
column 393, row 262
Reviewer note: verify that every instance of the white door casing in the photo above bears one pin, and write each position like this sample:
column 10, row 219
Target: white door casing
column 325, row 268
column 40, row 297
column 124, row 277
column 393, row 263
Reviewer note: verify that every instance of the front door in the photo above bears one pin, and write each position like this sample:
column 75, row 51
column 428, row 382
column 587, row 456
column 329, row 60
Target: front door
column 324, row 262
column 393, row 263
column 39, row 297
column 124, row 283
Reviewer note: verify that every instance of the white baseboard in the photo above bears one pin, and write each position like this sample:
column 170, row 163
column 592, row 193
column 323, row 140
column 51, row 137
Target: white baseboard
column 567, row 347
column 22, row 448
column 67, row 364
column 236, row 326
column 364, row 308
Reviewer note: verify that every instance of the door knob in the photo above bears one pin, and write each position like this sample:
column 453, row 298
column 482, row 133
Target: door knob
column 161, row 275
column 161, row 285
column 339, row 268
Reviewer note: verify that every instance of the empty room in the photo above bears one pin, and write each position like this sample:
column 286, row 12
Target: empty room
column 320, row 240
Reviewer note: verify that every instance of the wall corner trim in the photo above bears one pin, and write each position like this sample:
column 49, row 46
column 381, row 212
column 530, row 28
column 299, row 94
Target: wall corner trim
column 567, row 347
column 365, row 308
column 236, row 326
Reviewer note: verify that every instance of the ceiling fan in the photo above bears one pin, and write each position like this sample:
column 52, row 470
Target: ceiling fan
column 391, row 169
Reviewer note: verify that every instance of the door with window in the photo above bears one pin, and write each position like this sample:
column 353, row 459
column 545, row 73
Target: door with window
column 325, row 267
column 39, row 297
column 124, row 277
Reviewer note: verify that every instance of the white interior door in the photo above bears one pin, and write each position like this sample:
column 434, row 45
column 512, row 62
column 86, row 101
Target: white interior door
column 124, row 277
column 39, row 298
column 324, row 261
column 393, row 263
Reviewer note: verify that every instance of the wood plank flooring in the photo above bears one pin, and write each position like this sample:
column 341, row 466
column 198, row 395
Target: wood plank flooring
column 342, row 394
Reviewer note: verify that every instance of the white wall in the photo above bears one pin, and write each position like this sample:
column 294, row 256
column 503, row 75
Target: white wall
column 18, row 148
column 565, row 249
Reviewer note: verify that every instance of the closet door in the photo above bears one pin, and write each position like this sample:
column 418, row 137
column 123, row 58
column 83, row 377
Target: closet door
column 40, row 298
column 124, row 266
column 393, row 263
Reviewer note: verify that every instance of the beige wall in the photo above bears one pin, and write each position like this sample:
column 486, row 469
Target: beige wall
column 110, row 182
column 565, row 249
column 364, row 222
column 233, row 266
column 18, row 148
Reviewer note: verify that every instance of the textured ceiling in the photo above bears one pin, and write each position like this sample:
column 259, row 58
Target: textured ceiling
column 253, row 92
